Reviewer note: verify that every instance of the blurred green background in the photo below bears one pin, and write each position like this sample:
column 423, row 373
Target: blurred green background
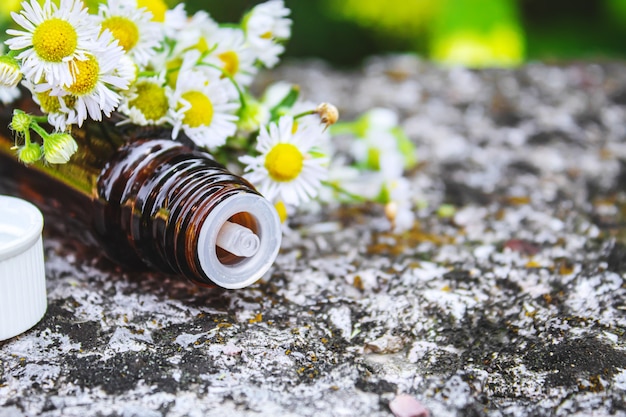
column 475, row 33
column 470, row 32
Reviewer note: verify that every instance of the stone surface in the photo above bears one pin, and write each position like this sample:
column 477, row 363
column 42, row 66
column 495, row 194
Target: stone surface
column 514, row 306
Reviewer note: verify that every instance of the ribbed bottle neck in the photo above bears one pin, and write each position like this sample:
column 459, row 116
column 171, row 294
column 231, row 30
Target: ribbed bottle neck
column 166, row 204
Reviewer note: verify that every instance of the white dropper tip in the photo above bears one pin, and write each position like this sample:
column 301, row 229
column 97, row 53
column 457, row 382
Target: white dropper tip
column 238, row 240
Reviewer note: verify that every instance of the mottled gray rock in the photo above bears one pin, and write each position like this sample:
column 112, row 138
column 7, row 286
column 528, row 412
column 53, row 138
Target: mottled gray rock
column 515, row 306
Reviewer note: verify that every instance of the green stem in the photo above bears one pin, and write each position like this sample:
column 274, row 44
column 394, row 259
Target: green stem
column 39, row 119
column 242, row 99
column 40, row 130
column 304, row 113
column 27, row 137
column 340, row 190
column 150, row 73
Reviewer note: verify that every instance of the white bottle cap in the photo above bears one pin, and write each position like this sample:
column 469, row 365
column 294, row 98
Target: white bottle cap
column 23, row 299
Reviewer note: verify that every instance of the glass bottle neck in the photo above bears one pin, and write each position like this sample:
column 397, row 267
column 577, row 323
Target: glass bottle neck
column 168, row 204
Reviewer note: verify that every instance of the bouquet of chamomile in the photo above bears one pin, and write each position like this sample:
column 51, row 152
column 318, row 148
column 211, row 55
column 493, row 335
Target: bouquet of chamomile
column 160, row 66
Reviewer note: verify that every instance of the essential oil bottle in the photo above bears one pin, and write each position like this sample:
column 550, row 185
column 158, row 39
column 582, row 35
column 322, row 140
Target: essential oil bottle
column 154, row 202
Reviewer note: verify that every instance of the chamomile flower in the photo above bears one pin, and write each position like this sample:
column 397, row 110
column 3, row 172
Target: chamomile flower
column 379, row 153
column 233, row 55
column 287, row 169
column 275, row 22
column 56, row 108
column 147, row 101
column 196, row 33
column 94, row 88
column 380, row 143
column 53, row 39
column 203, row 108
column 184, row 38
column 132, row 27
column 265, row 26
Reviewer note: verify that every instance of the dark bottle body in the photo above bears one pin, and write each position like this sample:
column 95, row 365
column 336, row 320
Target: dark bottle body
column 152, row 202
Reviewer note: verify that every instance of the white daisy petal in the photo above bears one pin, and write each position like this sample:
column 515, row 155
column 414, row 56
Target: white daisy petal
column 53, row 37
column 147, row 102
column 232, row 55
column 91, row 93
column 266, row 25
column 133, row 27
column 285, row 170
column 204, row 108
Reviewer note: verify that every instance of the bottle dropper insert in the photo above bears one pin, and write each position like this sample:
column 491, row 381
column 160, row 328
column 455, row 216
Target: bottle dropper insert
column 239, row 240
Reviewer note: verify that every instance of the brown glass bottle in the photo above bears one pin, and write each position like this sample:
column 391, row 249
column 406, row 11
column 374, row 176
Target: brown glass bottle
column 153, row 202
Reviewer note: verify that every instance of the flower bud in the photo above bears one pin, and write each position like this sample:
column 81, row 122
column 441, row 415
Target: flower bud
column 30, row 153
column 10, row 71
column 328, row 113
column 20, row 121
column 391, row 211
column 59, row 147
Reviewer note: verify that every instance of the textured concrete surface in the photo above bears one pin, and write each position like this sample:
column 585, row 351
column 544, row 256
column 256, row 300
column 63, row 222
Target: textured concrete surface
column 515, row 306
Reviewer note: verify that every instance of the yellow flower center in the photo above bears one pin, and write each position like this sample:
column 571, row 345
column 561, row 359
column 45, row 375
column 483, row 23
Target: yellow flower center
column 124, row 30
column 173, row 68
column 156, row 7
column 231, row 62
column 151, row 100
column 281, row 210
column 284, row 162
column 50, row 104
column 267, row 35
column 86, row 74
column 54, row 39
column 201, row 111
column 202, row 45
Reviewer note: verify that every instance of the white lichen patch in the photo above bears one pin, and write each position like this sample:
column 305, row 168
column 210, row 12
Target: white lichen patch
column 125, row 340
